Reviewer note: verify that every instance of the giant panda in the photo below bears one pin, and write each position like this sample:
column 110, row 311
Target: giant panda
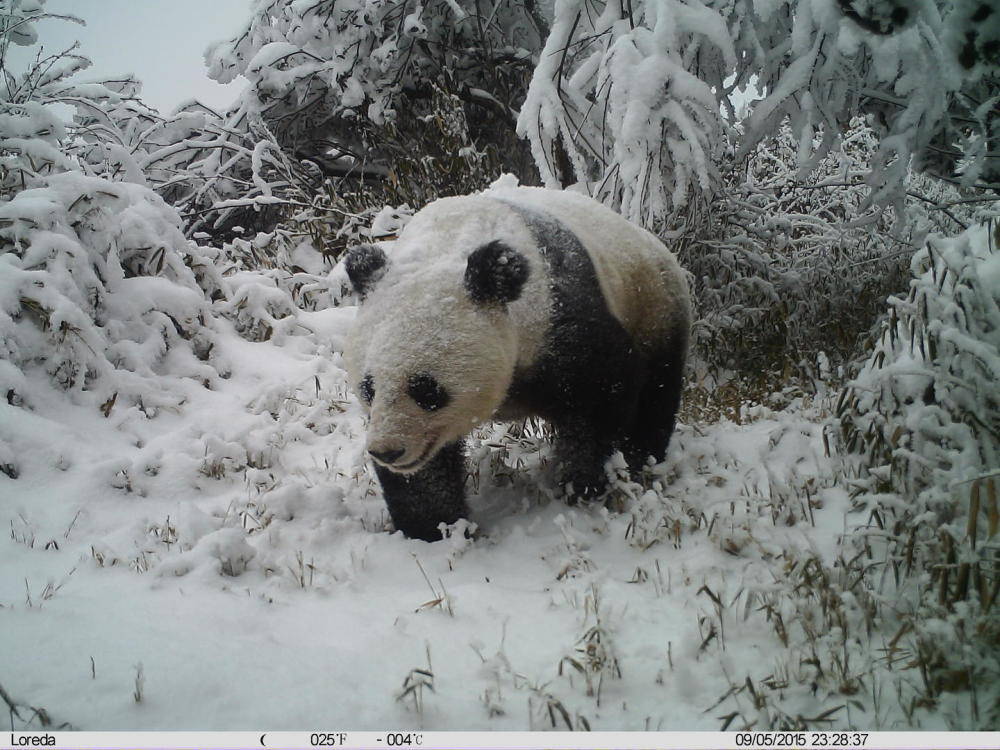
column 505, row 304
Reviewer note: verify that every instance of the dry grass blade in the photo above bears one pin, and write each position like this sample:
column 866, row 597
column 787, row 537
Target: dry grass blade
column 727, row 720
column 556, row 706
column 973, row 522
column 992, row 512
column 11, row 705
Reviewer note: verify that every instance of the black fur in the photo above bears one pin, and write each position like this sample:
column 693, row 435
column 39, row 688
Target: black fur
column 365, row 265
column 495, row 273
column 420, row 501
column 600, row 391
column 366, row 389
column 428, row 394
column 658, row 401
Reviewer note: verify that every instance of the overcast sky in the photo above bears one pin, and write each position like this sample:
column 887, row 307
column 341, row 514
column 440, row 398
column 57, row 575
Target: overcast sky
column 161, row 41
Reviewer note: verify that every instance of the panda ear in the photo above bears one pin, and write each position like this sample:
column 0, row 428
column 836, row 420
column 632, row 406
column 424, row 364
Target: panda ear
column 365, row 265
column 496, row 273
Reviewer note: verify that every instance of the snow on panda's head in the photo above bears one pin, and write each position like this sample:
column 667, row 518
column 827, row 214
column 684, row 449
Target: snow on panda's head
column 432, row 350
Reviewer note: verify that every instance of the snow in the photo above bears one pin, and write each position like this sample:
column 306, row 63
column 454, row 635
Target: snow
column 233, row 548
column 989, row 272
column 196, row 541
column 270, row 54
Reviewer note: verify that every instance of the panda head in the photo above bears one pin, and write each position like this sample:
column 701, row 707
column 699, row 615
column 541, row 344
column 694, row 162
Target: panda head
column 433, row 349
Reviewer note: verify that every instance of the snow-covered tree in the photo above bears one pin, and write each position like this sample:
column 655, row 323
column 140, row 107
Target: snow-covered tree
column 328, row 75
column 628, row 96
column 35, row 140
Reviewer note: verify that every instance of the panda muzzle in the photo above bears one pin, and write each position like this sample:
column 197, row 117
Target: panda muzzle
column 388, row 457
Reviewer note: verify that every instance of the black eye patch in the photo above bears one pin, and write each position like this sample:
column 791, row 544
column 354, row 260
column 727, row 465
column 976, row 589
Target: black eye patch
column 428, row 394
column 366, row 389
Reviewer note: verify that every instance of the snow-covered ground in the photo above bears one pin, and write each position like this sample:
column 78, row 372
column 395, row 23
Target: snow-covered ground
column 225, row 565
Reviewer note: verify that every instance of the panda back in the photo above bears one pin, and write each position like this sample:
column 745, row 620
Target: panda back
column 640, row 280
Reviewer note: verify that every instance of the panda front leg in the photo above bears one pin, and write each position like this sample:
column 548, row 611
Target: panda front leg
column 419, row 502
column 582, row 448
column 658, row 402
column 598, row 409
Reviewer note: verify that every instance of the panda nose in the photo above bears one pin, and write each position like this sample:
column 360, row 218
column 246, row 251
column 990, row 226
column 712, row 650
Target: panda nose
column 387, row 456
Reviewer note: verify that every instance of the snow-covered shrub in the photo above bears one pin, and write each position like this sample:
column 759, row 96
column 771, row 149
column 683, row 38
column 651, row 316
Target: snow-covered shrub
column 96, row 290
column 30, row 138
column 924, row 410
column 921, row 424
column 790, row 275
column 99, row 289
column 32, row 135
column 433, row 153
column 264, row 305
column 266, row 280
column 112, row 128
column 227, row 174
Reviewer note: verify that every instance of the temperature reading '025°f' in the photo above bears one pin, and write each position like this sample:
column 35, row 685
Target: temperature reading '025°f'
column 328, row 739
